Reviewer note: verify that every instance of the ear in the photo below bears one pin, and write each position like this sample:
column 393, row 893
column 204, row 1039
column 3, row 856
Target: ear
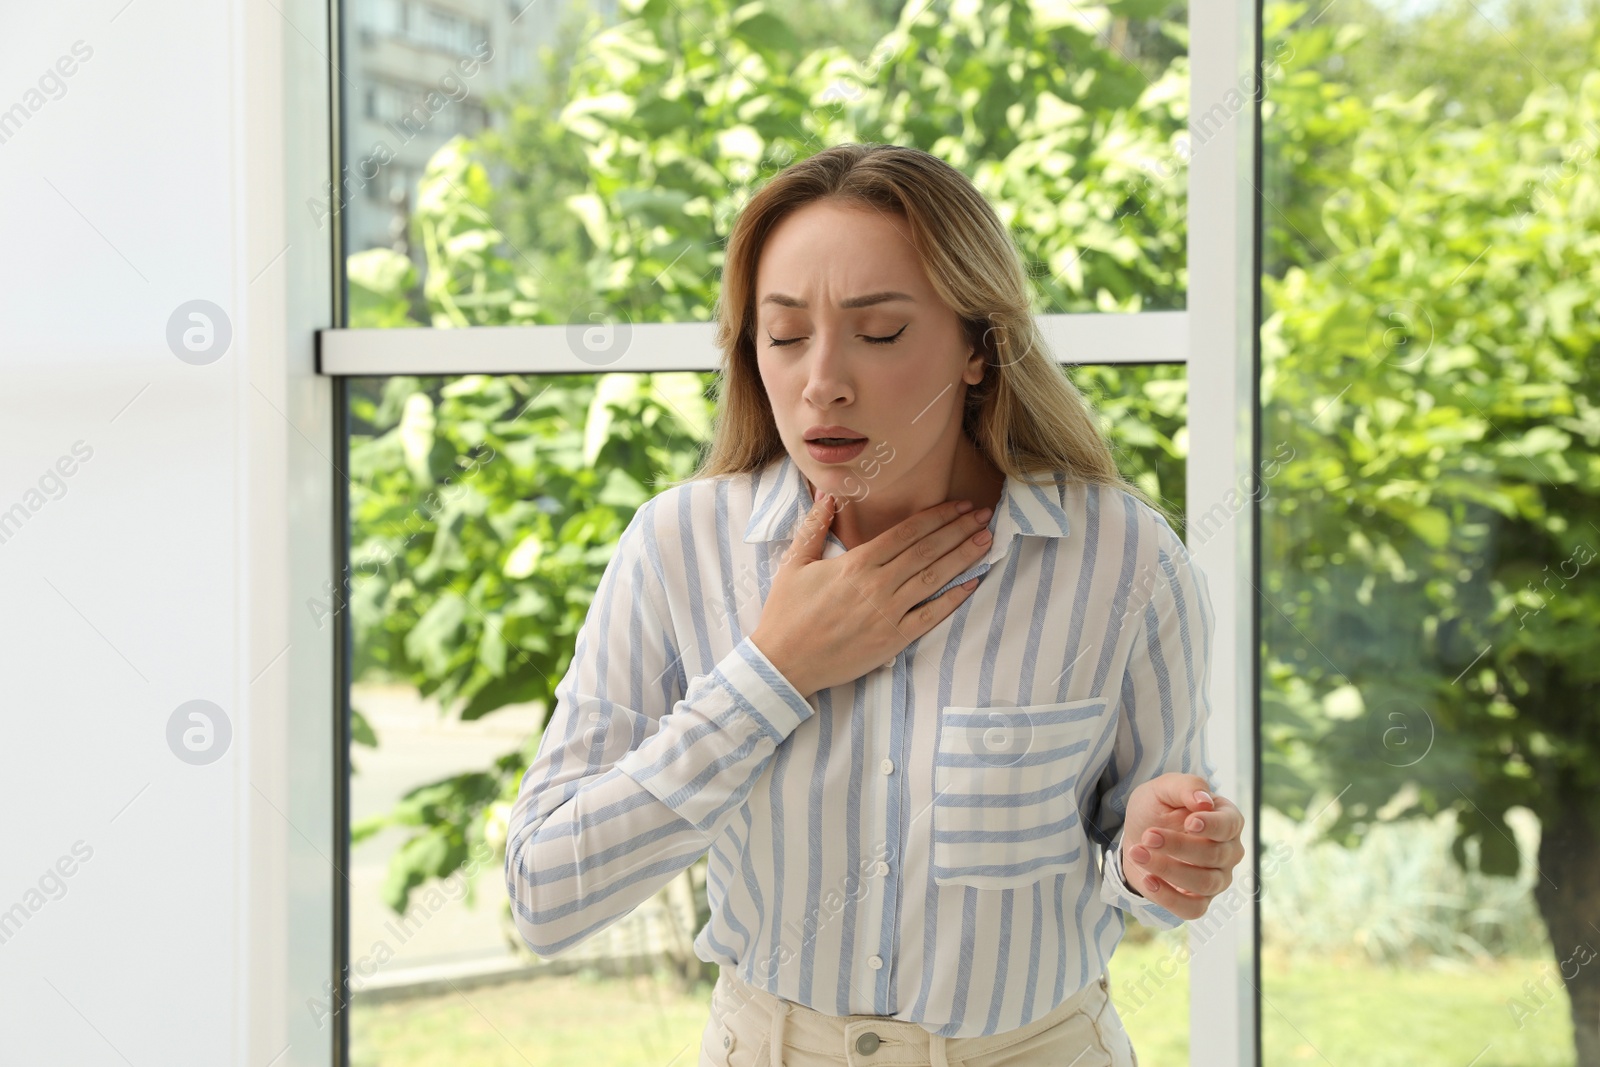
column 973, row 374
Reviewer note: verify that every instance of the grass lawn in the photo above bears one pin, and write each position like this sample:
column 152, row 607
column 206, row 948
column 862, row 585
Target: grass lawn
column 1357, row 1015
column 570, row 1021
column 1317, row 1012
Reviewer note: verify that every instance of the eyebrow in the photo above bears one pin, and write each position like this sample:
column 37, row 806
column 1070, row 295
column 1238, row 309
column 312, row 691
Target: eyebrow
column 785, row 300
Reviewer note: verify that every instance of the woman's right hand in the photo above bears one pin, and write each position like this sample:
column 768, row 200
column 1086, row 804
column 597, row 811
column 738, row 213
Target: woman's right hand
column 830, row 621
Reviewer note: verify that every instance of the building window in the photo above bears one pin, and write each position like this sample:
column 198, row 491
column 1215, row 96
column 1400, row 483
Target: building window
column 426, row 27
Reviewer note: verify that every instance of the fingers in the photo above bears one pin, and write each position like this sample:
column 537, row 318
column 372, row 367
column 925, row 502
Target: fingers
column 1205, row 878
column 1203, row 882
column 1186, row 848
column 1226, row 823
column 813, row 533
column 931, row 562
column 902, row 535
column 930, row 614
column 1180, row 904
column 1180, row 790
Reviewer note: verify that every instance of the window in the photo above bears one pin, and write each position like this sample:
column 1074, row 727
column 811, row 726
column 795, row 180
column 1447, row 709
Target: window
column 586, row 171
column 472, row 500
column 1422, row 178
column 572, row 185
column 424, row 26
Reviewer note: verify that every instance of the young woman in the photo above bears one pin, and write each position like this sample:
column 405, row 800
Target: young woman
column 907, row 655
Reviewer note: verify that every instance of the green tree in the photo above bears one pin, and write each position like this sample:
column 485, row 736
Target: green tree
column 614, row 192
column 1430, row 372
column 484, row 510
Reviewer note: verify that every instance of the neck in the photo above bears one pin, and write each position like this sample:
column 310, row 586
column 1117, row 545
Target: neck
column 964, row 473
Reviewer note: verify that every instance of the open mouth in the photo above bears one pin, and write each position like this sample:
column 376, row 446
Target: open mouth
column 835, row 449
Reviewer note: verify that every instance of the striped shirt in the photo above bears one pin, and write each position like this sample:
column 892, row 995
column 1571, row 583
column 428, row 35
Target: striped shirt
column 925, row 842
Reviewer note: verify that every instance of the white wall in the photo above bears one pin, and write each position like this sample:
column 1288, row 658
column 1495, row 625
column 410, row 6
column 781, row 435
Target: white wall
column 162, row 524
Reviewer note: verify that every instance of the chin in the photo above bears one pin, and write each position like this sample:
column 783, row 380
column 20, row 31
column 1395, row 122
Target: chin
column 825, row 478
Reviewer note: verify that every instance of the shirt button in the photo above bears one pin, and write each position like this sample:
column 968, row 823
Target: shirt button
column 883, row 868
column 887, row 766
column 874, row 962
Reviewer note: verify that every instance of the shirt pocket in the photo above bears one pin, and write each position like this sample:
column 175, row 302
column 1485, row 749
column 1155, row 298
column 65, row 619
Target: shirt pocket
column 1005, row 810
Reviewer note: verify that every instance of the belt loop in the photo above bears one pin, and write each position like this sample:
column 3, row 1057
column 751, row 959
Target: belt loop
column 938, row 1057
column 780, row 1013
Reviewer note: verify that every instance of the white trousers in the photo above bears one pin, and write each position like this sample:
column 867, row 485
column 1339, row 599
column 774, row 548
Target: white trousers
column 750, row 1027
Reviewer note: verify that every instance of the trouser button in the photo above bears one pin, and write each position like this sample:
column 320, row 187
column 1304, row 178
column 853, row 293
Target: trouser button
column 867, row 1043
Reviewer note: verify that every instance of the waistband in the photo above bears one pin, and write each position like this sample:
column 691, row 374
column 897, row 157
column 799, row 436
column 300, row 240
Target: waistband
column 882, row 1041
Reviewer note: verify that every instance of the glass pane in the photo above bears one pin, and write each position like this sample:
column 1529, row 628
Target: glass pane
column 558, row 163
column 1427, row 604
column 1145, row 411
column 484, row 510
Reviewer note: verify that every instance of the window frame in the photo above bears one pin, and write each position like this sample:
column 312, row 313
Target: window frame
column 1216, row 336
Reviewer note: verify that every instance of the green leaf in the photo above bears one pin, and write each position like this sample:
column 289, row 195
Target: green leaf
column 523, row 560
column 361, row 731
column 416, row 436
column 513, row 688
column 622, row 490
column 1430, row 524
column 418, row 859
column 1053, row 14
column 362, row 829
column 615, row 389
column 658, row 116
column 381, row 280
column 763, row 31
column 492, row 646
column 436, row 633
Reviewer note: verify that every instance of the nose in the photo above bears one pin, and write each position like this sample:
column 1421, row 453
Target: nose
column 827, row 377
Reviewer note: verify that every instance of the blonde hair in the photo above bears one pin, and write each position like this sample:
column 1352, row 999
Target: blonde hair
column 1025, row 416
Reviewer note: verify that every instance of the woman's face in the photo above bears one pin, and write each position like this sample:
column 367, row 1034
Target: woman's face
column 850, row 334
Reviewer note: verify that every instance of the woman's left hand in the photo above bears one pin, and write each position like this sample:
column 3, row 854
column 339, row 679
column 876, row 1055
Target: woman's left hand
column 1180, row 843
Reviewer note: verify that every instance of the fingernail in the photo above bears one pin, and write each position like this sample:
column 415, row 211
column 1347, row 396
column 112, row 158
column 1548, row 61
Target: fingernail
column 1153, row 839
column 1194, row 825
column 1202, row 797
column 1139, row 854
column 1151, row 885
column 964, row 506
column 983, row 516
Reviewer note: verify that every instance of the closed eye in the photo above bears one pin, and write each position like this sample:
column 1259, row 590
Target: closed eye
column 891, row 339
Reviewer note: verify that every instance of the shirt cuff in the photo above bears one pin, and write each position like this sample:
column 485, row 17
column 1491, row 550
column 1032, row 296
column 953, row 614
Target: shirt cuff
column 1114, row 891
column 761, row 691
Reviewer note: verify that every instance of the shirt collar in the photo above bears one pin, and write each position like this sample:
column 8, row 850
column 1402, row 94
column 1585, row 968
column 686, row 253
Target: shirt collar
column 782, row 498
